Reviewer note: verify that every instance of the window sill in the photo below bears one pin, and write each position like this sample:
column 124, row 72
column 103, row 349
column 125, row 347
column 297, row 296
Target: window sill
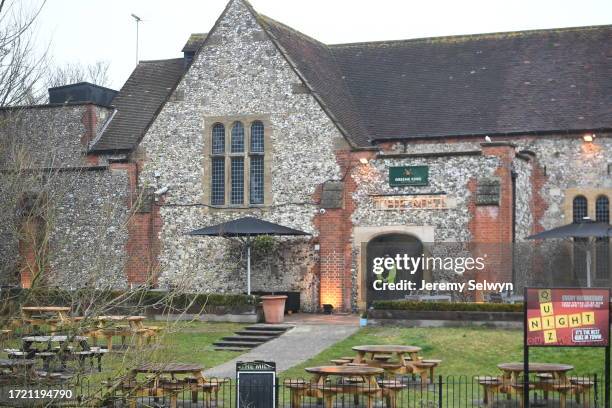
column 238, row 207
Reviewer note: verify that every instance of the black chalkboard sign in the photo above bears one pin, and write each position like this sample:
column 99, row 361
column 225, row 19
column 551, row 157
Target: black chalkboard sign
column 256, row 384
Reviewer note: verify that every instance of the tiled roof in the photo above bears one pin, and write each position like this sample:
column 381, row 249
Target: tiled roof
column 517, row 82
column 316, row 64
column 138, row 102
column 194, row 42
column 531, row 81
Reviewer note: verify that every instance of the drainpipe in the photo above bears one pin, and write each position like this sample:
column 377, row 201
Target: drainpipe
column 513, row 176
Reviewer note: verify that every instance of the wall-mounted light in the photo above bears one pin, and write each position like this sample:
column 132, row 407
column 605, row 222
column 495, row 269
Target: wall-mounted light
column 588, row 137
column 363, row 160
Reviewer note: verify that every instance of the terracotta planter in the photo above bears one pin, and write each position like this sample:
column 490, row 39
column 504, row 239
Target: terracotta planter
column 274, row 308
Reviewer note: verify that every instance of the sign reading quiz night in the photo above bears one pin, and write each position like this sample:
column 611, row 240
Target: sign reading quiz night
column 568, row 317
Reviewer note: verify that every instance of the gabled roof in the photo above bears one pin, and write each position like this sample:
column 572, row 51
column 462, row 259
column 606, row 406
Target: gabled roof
column 531, row 81
column 316, row 65
column 138, row 103
column 538, row 81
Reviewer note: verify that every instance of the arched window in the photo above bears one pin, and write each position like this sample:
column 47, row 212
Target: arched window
column 602, row 259
column 257, row 137
column 237, row 138
column 579, row 212
column 602, row 209
column 579, row 208
column 218, row 139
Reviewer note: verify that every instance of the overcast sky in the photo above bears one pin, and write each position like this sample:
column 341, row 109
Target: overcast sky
column 89, row 30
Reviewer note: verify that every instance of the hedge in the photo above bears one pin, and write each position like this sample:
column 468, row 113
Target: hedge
column 13, row 298
column 446, row 306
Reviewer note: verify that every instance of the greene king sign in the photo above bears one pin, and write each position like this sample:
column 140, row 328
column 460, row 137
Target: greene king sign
column 568, row 317
column 408, row 176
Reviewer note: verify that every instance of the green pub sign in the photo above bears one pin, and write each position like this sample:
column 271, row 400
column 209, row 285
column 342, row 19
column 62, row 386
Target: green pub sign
column 408, row 176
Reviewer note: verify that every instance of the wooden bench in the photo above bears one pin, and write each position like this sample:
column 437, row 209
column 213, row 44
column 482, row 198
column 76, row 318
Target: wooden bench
column 432, row 368
column 15, row 353
column 423, row 369
column 340, row 361
column 582, row 386
column 300, row 389
column 518, row 388
column 491, row 386
column 390, row 389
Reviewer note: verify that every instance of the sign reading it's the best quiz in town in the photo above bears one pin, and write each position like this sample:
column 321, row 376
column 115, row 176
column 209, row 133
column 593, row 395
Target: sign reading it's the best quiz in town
column 568, row 317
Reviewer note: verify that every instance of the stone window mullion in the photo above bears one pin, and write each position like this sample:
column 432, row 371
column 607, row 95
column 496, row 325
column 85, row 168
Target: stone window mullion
column 247, row 166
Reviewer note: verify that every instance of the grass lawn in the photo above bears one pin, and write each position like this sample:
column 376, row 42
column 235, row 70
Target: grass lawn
column 185, row 342
column 463, row 351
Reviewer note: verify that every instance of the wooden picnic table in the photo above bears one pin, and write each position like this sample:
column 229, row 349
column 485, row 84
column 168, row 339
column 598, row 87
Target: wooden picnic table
column 108, row 327
column 194, row 380
column 513, row 370
column 510, row 381
column 48, row 354
column 356, row 380
column 396, row 359
column 19, row 367
column 35, row 315
column 400, row 352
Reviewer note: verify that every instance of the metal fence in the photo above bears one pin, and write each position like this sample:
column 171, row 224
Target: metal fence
column 396, row 392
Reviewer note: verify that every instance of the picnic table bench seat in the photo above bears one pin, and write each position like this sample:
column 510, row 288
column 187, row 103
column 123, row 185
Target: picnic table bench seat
column 390, row 388
column 15, row 353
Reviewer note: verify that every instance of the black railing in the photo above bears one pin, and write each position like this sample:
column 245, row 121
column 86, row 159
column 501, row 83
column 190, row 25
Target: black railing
column 398, row 392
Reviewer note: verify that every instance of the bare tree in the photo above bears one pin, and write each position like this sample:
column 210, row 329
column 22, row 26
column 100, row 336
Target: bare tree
column 96, row 73
column 22, row 70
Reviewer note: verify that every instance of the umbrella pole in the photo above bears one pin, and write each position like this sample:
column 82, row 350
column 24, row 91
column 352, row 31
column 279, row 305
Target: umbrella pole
column 248, row 266
column 588, row 263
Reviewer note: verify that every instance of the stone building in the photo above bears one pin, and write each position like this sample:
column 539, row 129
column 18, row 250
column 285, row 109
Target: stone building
column 442, row 143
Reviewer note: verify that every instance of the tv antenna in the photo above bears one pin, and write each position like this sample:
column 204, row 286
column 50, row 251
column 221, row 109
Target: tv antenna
column 137, row 20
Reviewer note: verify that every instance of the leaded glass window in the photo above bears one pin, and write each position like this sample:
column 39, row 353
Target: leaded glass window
column 257, row 180
column 602, row 260
column 217, row 181
column 237, row 139
column 218, row 139
column 238, row 163
column 579, row 208
column 579, row 212
column 237, row 171
column 257, row 137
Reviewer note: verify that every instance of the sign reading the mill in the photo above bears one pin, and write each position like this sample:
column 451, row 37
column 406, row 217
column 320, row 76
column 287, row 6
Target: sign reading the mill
column 256, row 382
column 408, row 176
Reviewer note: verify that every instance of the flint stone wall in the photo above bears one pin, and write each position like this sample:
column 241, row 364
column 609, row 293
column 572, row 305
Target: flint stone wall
column 87, row 209
column 239, row 72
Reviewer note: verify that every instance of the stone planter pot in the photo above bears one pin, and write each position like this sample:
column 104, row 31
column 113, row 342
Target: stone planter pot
column 274, row 308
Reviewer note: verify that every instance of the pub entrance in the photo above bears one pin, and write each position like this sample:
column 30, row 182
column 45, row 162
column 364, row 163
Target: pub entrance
column 390, row 245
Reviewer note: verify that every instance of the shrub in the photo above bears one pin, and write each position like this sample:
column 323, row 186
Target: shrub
column 446, row 306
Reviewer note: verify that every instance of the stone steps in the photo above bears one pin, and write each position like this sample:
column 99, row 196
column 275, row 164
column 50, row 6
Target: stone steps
column 254, row 339
column 251, row 336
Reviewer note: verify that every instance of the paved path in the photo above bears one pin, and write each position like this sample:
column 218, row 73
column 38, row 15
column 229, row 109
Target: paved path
column 295, row 346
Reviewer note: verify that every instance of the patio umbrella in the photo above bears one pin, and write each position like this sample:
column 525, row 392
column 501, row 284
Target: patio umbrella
column 584, row 229
column 246, row 228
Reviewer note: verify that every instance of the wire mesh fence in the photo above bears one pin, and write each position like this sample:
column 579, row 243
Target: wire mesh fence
column 389, row 392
